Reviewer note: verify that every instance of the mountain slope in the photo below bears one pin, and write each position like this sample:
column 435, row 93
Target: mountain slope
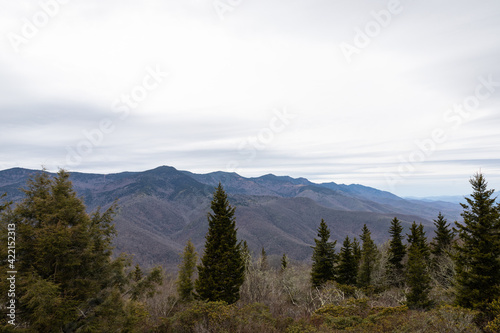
column 160, row 209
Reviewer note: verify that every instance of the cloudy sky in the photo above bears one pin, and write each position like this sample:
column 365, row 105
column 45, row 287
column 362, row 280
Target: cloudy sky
column 399, row 95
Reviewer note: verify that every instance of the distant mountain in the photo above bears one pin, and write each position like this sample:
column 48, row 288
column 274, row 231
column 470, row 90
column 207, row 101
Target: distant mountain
column 160, row 209
column 444, row 198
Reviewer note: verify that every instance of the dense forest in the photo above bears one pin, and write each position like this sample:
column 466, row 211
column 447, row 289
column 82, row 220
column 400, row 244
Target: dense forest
column 59, row 274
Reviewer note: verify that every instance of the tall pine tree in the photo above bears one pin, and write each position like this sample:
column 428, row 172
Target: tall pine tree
column 368, row 260
column 324, row 258
column 478, row 250
column 442, row 264
column 222, row 268
column 185, row 285
column 347, row 268
column 443, row 238
column 417, row 275
column 396, row 253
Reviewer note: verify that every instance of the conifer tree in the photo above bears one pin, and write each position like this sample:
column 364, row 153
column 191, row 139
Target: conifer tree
column 347, row 268
column 222, row 268
column 4, row 205
column 396, row 253
column 356, row 252
column 284, row 262
column 441, row 246
column 478, row 250
column 246, row 256
column 69, row 280
column 417, row 275
column 368, row 260
column 417, row 237
column 443, row 238
column 185, row 285
column 264, row 264
column 137, row 274
column 324, row 258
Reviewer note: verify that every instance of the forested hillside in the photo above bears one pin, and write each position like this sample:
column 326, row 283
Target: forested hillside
column 62, row 276
column 160, row 209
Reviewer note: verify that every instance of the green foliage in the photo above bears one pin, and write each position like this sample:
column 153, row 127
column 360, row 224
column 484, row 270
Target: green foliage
column 301, row 327
column 45, row 304
column 246, row 256
column 478, row 250
column 221, row 317
column 185, row 285
column 284, row 262
column 369, row 255
column 351, row 307
column 443, row 238
column 255, row 317
column 137, row 274
column 332, row 308
column 397, row 252
column 4, row 205
column 264, row 263
column 211, row 316
column 494, row 312
column 222, row 268
column 114, row 314
column 441, row 246
column 324, row 258
column 356, row 315
column 348, row 267
column 452, row 319
column 66, row 275
column 356, row 251
column 417, row 275
column 146, row 285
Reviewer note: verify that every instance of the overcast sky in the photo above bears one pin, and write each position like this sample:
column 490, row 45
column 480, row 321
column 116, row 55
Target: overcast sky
column 399, row 95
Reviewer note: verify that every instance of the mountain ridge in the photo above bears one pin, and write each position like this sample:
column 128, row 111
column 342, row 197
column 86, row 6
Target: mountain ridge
column 160, row 209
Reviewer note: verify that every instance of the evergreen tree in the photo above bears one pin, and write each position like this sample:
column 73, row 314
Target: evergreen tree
column 397, row 252
column 185, row 285
column 323, row 266
column 356, row 252
column 369, row 254
column 441, row 261
column 443, row 238
column 284, row 262
column 264, row 264
column 417, row 275
column 347, row 268
column 68, row 280
column 246, row 256
column 478, row 250
column 417, row 237
column 4, row 205
column 137, row 274
column 222, row 268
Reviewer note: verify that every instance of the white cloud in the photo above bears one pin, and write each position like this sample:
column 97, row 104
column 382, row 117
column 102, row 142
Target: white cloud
column 226, row 77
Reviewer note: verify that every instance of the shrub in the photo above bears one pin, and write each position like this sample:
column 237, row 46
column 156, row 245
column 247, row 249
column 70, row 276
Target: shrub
column 209, row 316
